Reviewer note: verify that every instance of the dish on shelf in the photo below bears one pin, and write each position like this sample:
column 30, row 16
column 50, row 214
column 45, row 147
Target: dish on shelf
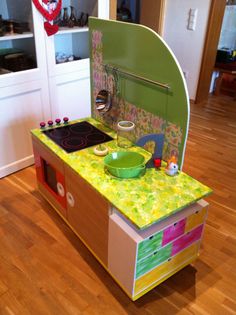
column 61, row 58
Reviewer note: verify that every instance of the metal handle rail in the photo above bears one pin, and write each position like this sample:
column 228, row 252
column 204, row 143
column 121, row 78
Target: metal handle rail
column 138, row 77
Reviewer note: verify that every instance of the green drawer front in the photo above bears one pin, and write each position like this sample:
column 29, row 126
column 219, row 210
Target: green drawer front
column 149, row 245
column 153, row 260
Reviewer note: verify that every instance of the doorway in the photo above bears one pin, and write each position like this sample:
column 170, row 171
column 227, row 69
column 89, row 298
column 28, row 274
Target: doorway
column 215, row 20
column 152, row 15
column 149, row 13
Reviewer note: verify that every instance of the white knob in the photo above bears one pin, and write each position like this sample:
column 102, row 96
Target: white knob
column 70, row 199
column 60, row 189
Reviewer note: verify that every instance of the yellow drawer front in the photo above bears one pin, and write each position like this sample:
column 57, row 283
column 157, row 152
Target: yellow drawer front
column 165, row 268
column 195, row 219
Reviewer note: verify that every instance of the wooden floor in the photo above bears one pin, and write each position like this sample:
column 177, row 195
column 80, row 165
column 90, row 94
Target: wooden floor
column 45, row 269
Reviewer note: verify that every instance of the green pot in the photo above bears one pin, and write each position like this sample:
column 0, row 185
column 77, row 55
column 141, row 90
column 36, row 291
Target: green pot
column 125, row 164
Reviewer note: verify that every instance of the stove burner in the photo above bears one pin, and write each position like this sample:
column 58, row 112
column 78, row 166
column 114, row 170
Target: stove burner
column 59, row 133
column 76, row 137
column 81, row 129
column 95, row 137
column 71, row 143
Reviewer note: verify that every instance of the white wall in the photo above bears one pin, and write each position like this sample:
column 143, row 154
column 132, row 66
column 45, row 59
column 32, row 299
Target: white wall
column 187, row 45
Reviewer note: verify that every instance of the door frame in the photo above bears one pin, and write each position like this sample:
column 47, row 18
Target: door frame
column 152, row 13
column 215, row 20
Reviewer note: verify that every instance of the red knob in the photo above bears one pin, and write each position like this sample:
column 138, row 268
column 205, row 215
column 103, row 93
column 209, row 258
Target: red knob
column 58, row 121
column 42, row 124
column 157, row 162
column 65, row 119
column 50, row 123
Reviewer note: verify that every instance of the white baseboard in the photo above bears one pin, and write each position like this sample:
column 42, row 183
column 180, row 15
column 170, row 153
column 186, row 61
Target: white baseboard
column 16, row 166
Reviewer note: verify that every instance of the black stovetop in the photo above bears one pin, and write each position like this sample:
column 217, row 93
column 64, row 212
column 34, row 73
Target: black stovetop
column 77, row 136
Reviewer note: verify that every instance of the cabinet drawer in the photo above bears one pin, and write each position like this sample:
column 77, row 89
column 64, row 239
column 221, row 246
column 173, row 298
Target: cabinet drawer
column 149, row 245
column 173, row 231
column 195, row 219
column 167, row 267
column 186, row 240
column 153, row 260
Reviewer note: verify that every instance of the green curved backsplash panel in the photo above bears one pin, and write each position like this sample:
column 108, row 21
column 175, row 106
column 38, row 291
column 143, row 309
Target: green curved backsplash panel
column 140, row 50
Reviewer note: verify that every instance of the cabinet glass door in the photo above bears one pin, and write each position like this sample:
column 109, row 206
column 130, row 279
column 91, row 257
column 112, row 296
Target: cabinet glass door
column 17, row 42
column 71, row 42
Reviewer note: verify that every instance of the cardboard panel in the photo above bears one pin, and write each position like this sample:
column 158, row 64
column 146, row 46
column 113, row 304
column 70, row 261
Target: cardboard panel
column 165, row 268
column 197, row 218
column 186, row 240
column 173, row 231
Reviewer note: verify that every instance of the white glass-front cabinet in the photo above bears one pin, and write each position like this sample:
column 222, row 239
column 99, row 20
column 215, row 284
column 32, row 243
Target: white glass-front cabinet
column 68, row 58
column 22, row 47
column 41, row 77
column 24, row 96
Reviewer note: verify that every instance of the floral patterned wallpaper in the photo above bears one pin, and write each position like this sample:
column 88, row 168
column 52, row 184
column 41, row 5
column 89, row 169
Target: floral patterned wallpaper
column 146, row 122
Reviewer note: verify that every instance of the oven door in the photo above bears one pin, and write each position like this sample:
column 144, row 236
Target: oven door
column 51, row 179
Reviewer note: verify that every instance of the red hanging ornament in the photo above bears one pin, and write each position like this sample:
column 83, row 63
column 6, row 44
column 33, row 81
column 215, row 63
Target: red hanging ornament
column 49, row 9
column 50, row 29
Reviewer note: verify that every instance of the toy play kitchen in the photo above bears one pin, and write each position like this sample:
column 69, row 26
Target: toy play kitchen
column 131, row 205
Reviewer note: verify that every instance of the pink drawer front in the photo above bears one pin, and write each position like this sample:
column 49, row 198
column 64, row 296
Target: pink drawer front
column 173, row 231
column 186, row 240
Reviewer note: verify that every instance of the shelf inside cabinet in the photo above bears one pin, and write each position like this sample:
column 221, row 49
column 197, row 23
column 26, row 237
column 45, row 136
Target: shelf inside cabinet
column 82, row 62
column 69, row 30
column 71, row 46
column 16, row 36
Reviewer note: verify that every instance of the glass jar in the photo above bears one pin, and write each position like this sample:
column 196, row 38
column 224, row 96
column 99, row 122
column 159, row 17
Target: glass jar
column 125, row 134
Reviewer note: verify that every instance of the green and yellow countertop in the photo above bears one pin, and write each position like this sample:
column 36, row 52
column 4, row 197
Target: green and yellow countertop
column 144, row 200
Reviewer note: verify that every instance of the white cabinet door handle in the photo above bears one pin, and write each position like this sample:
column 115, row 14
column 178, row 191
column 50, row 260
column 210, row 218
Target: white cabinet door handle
column 70, row 199
column 60, row 189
